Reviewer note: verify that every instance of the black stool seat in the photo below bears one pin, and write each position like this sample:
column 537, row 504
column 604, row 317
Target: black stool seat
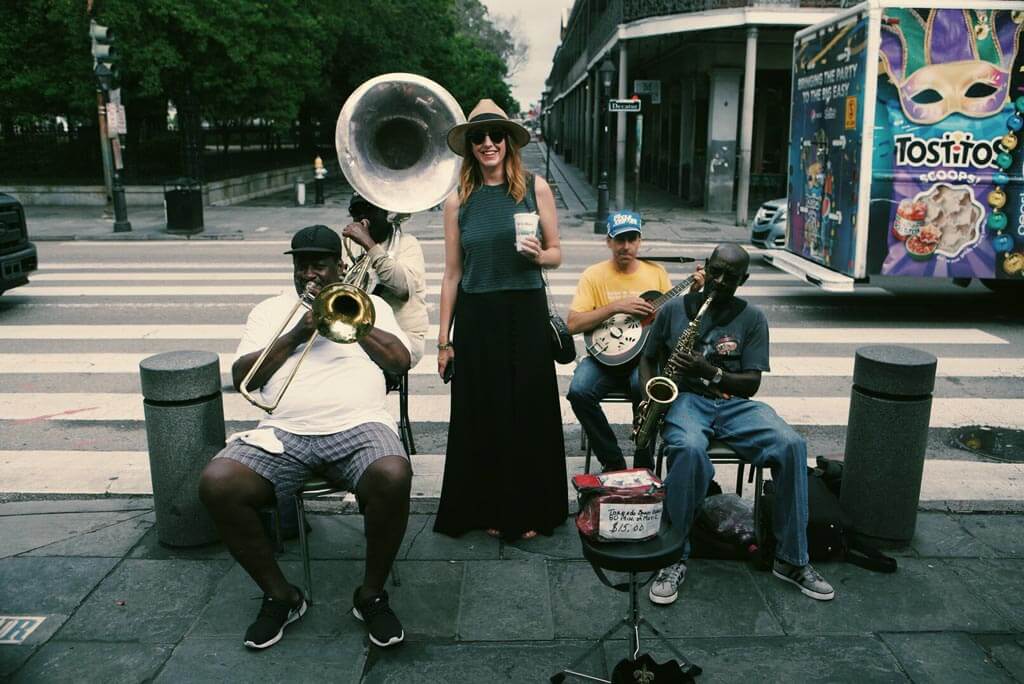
column 645, row 556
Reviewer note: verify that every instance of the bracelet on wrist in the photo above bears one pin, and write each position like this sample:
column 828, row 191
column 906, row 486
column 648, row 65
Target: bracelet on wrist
column 441, row 346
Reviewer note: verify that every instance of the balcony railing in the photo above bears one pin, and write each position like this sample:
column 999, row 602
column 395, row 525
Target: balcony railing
column 641, row 9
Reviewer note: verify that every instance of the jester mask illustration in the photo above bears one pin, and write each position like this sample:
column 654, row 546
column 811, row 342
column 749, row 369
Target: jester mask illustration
column 955, row 61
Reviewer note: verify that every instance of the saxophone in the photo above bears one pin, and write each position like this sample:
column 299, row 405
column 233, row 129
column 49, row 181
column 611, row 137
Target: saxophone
column 662, row 390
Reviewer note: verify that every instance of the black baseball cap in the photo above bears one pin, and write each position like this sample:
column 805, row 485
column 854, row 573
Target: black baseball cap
column 315, row 239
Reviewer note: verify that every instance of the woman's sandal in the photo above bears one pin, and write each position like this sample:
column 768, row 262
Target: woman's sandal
column 529, row 534
column 491, row 532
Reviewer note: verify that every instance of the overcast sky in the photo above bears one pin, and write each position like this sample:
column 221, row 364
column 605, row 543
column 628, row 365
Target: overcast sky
column 539, row 19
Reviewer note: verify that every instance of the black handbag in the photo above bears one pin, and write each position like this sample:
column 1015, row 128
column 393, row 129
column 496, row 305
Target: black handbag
column 563, row 349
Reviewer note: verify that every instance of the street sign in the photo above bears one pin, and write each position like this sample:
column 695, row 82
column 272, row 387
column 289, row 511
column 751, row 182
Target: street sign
column 623, row 105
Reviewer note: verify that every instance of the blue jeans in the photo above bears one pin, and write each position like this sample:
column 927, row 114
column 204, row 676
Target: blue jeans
column 758, row 436
column 592, row 382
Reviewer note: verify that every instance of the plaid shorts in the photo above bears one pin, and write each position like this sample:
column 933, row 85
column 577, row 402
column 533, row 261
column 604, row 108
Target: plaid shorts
column 340, row 458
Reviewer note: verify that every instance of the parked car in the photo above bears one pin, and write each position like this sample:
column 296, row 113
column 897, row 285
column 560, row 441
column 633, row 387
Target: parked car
column 768, row 229
column 17, row 254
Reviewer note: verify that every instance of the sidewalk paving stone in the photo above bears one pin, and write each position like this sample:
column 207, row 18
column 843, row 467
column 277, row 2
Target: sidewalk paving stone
column 14, row 657
column 1003, row 534
column 948, row 656
column 146, row 601
column 718, row 598
column 939, row 535
column 142, row 503
column 922, row 596
column 1007, row 650
column 112, row 541
column 428, row 545
column 999, row 583
column 20, row 534
column 150, row 548
column 338, row 659
column 111, row 663
column 32, row 585
column 518, row 661
column 807, row 660
column 504, row 600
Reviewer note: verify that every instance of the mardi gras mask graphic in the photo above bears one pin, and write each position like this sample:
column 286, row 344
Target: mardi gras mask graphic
column 958, row 61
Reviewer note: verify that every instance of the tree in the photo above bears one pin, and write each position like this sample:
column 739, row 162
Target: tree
column 502, row 35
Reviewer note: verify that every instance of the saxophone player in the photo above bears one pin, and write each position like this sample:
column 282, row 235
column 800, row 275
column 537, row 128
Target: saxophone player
column 716, row 382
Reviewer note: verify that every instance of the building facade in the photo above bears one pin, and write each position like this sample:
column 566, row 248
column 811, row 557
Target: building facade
column 714, row 78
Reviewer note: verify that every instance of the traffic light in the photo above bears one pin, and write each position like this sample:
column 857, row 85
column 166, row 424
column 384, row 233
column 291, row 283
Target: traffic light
column 104, row 55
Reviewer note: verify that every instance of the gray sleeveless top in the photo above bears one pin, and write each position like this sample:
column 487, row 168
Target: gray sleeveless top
column 487, row 235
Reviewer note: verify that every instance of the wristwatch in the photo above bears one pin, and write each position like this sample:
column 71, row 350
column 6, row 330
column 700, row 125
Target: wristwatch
column 717, row 378
column 441, row 346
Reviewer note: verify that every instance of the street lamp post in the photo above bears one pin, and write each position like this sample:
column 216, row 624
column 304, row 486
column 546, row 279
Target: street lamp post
column 544, row 104
column 606, row 72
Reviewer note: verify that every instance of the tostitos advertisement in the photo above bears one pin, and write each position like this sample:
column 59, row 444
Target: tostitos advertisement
column 946, row 192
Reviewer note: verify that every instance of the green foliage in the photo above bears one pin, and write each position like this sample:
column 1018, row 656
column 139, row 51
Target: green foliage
column 247, row 59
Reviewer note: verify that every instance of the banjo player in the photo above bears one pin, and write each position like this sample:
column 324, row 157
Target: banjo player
column 615, row 300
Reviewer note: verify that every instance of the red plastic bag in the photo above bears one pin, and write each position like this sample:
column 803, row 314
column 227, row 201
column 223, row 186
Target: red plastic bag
column 624, row 505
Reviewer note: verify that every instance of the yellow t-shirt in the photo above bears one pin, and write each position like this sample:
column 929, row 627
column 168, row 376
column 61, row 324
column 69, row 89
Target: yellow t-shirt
column 601, row 284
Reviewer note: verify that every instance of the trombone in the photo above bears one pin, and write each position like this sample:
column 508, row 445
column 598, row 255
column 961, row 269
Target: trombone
column 342, row 312
column 391, row 144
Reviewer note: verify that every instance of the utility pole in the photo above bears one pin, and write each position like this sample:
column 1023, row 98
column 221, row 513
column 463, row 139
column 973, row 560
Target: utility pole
column 109, row 101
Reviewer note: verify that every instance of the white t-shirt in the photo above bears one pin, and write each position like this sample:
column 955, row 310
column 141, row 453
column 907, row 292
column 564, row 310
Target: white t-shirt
column 337, row 387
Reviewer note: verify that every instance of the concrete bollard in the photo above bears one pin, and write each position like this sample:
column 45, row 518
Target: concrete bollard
column 886, row 440
column 184, row 430
column 300, row 192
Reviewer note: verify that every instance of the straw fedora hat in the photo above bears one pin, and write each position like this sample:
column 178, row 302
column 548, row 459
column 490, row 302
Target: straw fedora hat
column 486, row 114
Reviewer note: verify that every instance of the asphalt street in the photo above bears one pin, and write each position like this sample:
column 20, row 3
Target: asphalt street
column 71, row 341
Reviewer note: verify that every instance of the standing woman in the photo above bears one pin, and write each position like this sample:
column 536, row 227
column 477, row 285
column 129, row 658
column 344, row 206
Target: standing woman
column 504, row 470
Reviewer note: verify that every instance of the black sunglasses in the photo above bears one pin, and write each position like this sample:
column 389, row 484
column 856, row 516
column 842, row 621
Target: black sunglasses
column 496, row 135
column 730, row 276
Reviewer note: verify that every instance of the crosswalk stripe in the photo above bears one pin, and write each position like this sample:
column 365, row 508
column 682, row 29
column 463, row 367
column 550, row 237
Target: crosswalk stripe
column 50, row 275
column 782, row 366
column 127, row 472
column 98, row 406
column 597, row 241
column 779, row 335
column 796, row 289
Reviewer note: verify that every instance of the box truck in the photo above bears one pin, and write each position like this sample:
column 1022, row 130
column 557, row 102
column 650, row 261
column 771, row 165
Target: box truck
column 906, row 145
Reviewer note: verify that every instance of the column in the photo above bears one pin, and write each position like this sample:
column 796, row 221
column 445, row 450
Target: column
column 621, row 130
column 722, row 119
column 747, row 127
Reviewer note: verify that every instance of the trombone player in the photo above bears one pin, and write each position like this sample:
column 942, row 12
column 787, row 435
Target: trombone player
column 333, row 422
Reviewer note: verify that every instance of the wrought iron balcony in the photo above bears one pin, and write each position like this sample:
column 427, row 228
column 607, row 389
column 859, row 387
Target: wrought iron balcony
column 642, row 9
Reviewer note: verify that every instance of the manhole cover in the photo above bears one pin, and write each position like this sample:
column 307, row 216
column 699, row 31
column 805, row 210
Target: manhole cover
column 1002, row 444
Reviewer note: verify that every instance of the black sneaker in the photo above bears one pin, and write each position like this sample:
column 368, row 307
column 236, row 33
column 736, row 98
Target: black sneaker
column 381, row 622
column 274, row 616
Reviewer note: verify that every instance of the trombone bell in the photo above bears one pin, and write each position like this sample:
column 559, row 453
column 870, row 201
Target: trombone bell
column 343, row 313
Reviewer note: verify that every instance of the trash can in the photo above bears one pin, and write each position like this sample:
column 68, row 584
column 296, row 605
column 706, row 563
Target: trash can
column 886, row 440
column 183, row 205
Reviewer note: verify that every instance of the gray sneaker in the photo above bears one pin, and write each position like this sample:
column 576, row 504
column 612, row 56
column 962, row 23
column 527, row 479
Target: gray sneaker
column 805, row 578
column 665, row 588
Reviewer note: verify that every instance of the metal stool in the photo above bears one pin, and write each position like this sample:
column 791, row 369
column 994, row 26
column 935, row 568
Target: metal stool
column 314, row 488
column 720, row 452
column 633, row 558
column 612, row 398
column 401, row 383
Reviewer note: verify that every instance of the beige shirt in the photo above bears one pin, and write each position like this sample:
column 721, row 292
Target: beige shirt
column 403, row 282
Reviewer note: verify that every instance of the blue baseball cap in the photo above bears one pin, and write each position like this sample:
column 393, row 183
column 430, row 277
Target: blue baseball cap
column 620, row 222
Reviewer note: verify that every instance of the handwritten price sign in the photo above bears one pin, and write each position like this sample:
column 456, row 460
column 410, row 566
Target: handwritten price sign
column 626, row 521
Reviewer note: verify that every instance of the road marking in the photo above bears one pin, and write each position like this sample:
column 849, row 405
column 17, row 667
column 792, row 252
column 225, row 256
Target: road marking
column 782, row 366
column 597, row 241
column 94, row 406
column 944, row 482
column 779, row 335
column 796, row 289
column 284, row 277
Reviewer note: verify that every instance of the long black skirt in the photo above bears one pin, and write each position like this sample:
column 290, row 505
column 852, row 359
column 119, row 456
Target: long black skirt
column 505, row 463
